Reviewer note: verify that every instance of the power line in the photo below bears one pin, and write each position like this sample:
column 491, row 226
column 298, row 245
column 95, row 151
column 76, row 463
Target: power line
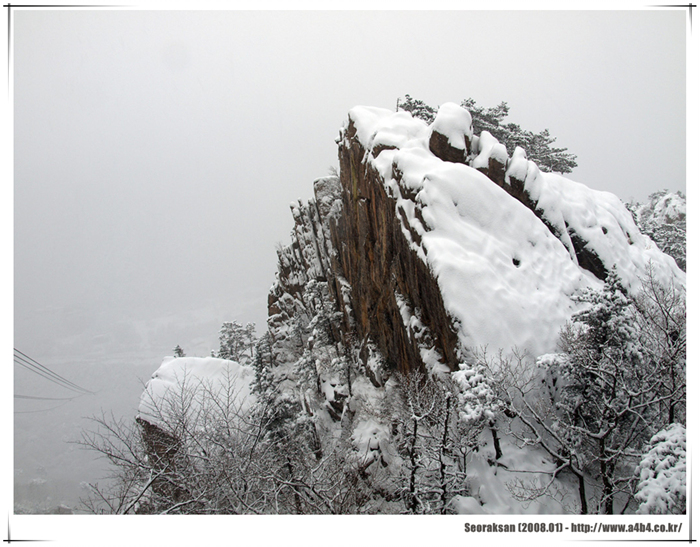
column 34, row 366
column 34, row 362
column 42, row 374
column 45, row 398
column 39, row 372
column 39, row 410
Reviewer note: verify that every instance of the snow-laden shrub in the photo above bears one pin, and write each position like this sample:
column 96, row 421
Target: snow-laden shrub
column 477, row 398
column 661, row 487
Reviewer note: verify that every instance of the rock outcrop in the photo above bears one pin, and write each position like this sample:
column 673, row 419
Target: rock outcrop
column 419, row 256
column 309, row 258
column 451, row 134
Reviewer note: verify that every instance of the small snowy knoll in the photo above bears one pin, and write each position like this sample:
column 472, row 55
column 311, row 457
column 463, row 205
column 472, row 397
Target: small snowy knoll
column 183, row 386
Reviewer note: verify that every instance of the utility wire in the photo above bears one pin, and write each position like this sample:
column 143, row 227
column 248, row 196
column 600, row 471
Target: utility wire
column 46, row 398
column 40, row 410
column 34, row 362
column 42, row 374
column 39, row 372
column 34, row 366
column 46, row 373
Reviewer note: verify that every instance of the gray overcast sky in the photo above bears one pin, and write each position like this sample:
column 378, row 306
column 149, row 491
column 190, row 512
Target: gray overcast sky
column 156, row 152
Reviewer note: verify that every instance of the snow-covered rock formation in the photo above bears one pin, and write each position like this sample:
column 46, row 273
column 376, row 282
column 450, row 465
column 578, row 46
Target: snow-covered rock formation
column 662, row 218
column 199, row 379
column 485, row 249
column 431, row 243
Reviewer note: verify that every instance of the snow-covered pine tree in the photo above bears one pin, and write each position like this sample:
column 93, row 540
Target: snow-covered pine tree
column 619, row 378
column 236, row 342
column 612, row 393
column 662, row 474
column 478, row 402
column 417, row 108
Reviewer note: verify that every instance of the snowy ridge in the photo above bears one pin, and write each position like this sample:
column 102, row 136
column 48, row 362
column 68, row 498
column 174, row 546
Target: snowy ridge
column 599, row 218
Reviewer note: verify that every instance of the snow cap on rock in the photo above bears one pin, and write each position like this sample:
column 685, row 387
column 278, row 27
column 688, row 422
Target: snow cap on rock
column 451, row 133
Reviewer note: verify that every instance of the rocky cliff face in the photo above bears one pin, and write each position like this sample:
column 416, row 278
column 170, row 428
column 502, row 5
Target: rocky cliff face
column 387, row 278
column 310, row 321
column 432, row 245
column 309, row 258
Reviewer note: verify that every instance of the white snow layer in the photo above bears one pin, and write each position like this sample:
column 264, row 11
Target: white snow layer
column 488, row 147
column 503, row 275
column 599, row 218
column 194, row 381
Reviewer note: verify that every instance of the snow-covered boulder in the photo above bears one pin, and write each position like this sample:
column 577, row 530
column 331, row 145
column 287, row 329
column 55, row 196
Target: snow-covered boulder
column 491, row 159
column 451, row 133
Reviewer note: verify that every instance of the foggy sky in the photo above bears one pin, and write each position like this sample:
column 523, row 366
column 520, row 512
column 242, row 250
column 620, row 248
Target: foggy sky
column 156, row 153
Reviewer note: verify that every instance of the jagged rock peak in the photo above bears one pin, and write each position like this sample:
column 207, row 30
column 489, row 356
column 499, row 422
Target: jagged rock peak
column 308, row 259
column 431, row 246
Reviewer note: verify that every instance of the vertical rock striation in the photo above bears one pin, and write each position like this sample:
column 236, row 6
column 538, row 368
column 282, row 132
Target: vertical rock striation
column 376, row 259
